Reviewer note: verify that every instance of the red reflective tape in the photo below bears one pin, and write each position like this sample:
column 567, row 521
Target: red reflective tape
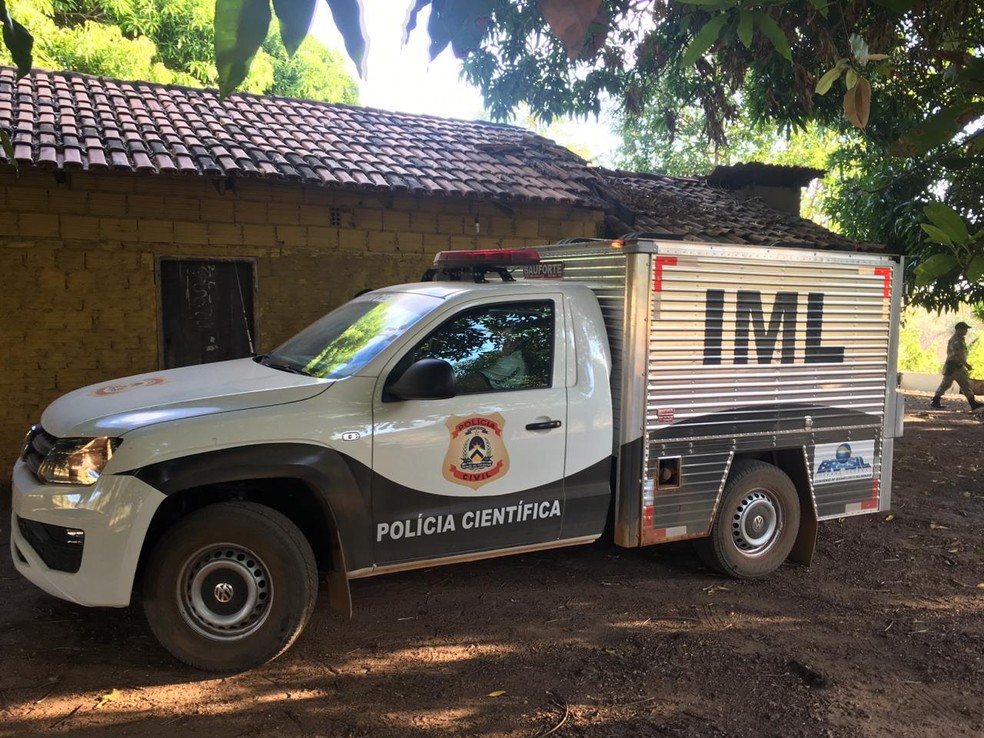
column 886, row 274
column 661, row 261
column 872, row 504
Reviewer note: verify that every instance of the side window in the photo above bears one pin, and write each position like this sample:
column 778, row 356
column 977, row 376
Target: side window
column 508, row 346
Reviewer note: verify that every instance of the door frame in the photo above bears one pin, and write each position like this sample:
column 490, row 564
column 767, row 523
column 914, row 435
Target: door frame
column 159, row 258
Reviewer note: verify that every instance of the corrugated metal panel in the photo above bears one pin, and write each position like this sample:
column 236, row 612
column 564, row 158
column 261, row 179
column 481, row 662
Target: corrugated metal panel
column 769, row 349
column 602, row 268
column 746, row 366
column 738, row 350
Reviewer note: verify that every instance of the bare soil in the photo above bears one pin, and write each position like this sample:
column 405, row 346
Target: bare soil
column 882, row 636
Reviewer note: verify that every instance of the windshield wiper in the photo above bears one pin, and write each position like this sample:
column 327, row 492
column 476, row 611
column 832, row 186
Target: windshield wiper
column 264, row 359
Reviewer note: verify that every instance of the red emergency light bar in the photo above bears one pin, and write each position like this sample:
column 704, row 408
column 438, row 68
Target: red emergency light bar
column 486, row 258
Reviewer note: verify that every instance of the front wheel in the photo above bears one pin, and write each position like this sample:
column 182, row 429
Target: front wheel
column 230, row 587
column 756, row 524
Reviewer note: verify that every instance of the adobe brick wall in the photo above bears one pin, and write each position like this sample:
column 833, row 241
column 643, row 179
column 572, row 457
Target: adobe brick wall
column 78, row 298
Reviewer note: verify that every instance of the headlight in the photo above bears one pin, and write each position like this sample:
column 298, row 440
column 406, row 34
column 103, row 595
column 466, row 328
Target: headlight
column 77, row 460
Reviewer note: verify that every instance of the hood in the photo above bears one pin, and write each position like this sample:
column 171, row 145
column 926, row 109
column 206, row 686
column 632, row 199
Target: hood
column 112, row 408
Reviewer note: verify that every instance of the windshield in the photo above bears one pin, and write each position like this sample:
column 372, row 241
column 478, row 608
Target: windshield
column 346, row 339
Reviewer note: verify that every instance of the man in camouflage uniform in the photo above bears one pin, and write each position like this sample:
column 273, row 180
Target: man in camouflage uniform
column 956, row 367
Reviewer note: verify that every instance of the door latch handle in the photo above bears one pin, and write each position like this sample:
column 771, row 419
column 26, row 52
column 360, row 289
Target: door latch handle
column 544, row 425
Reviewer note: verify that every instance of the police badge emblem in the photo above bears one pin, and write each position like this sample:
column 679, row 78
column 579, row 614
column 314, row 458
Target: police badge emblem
column 477, row 452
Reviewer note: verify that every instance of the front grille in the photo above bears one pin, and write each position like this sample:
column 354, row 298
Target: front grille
column 59, row 548
column 39, row 443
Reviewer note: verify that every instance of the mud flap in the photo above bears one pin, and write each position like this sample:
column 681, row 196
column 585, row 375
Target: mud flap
column 339, row 594
column 806, row 538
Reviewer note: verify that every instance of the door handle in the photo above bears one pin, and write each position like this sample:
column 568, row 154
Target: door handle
column 544, row 425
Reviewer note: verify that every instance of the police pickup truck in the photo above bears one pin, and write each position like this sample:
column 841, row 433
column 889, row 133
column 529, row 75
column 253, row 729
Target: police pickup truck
column 514, row 401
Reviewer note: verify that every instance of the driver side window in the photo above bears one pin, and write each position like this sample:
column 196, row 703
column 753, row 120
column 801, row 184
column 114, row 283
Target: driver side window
column 503, row 347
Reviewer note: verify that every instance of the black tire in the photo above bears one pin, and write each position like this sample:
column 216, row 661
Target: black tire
column 756, row 524
column 244, row 551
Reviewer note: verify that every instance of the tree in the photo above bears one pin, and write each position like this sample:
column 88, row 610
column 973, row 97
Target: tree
column 171, row 42
column 895, row 78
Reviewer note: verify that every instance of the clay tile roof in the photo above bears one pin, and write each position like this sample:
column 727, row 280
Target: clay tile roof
column 68, row 120
column 693, row 209
column 72, row 121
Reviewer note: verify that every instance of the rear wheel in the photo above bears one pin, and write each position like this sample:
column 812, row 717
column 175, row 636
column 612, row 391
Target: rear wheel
column 756, row 524
column 230, row 587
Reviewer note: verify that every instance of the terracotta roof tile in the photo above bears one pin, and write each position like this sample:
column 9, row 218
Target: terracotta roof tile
column 67, row 120
column 695, row 210
column 319, row 143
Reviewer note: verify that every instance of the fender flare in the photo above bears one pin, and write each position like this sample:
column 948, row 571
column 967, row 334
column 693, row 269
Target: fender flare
column 339, row 484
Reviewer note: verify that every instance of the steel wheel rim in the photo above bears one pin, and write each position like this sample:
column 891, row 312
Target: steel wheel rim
column 756, row 523
column 224, row 592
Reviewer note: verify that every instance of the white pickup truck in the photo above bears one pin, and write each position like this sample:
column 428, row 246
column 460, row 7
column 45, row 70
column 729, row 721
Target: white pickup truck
column 517, row 401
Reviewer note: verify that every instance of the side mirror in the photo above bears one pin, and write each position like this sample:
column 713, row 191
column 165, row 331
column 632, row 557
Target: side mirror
column 427, row 379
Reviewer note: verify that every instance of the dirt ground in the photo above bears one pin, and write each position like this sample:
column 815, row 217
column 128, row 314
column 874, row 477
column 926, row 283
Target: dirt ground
column 882, row 636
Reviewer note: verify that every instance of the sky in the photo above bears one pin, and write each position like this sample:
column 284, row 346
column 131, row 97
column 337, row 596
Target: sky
column 403, row 78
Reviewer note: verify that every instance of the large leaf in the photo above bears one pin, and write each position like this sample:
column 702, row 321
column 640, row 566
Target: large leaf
column 949, row 221
column 240, row 27
column 746, row 27
column 18, row 41
column 937, row 235
column 461, row 23
column 935, row 267
column 938, row 129
column 827, row 80
column 857, row 103
column 570, row 20
column 975, row 272
column 411, row 22
column 295, row 20
column 775, row 34
column 348, row 18
column 705, row 38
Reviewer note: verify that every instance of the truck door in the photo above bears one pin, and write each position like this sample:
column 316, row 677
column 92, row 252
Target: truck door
column 483, row 470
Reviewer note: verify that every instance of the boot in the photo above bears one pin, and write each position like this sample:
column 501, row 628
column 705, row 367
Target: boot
column 937, row 403
column 975, row 405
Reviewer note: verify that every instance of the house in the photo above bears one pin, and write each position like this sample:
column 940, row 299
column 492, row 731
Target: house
column 148, row 226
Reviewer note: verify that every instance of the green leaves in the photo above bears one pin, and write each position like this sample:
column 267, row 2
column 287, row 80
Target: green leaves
column 857, row 99
column 458, row 23
column 964, row 256
column 347, row 15
column 938, row 129
column 734, row 22
column 240, row 27
column 936, row 267
column 704, row 39
column 17, row 40
column 746, row 27
column 975, row 271
column 832, row 75
column 295, row 20
column 774, row 33
column 949, row 222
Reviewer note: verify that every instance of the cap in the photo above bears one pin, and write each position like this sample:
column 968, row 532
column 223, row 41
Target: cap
column 961, row 324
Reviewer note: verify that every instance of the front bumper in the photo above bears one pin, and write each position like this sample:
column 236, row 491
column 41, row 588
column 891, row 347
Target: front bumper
column 114, row 514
